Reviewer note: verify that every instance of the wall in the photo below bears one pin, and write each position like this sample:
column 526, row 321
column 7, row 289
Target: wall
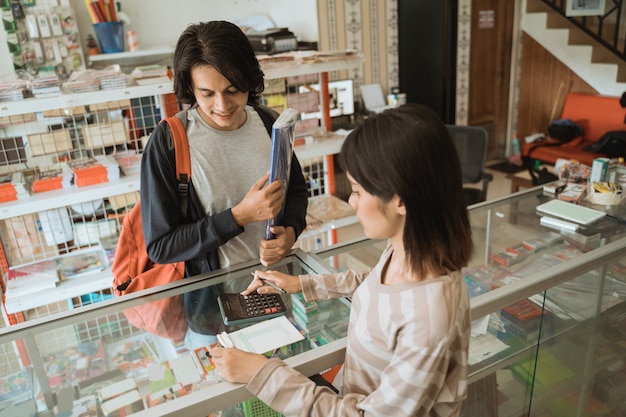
column 160, row 22
column 544, row 81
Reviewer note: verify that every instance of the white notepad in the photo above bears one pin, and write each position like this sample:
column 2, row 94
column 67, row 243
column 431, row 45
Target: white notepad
column 571, row 212
column 262, row 337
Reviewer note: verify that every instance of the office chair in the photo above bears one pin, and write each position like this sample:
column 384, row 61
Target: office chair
column 471, row 146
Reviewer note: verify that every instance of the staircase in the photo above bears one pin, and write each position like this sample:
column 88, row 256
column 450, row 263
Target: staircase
column 590, row 60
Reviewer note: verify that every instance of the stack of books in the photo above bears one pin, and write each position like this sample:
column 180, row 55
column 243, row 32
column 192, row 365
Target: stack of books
column 45, row 87
column 52, row 179
column 305, row 314
column 522, row 319
column 129, row 162
column 31, row 278
column 81, row 82
column 12, row 90
column 88, row 171
column 111, row 78
column 93, row 170
column 14, row 186
column 150, row 74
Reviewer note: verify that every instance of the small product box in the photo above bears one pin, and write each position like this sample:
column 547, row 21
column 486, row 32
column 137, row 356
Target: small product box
column 599, row 170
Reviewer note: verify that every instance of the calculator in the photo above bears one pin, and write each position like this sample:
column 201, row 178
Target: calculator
column 242, row 309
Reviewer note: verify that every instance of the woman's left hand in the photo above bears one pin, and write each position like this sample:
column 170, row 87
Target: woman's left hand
column 274, row 250
column 235, row 365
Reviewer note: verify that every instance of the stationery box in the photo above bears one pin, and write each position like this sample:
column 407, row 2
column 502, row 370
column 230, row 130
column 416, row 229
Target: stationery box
column 51, row 142
column 101, row 135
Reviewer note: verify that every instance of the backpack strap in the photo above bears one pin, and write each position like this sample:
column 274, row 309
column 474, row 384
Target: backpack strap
column 183, row 162
column 268, row 116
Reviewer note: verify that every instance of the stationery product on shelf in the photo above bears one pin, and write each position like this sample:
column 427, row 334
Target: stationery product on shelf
column 570, row 212
column 132, row 355
column 128, row 161
column 541, row 241
column 76, row 364
column 572, row 192
column 49, row 180
column 31, row 278
column 85, row 407
column 123, row 405
column 166, row 394
column 79, row 264
column 88, row 171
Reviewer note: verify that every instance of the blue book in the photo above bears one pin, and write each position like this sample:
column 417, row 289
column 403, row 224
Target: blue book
column 280, row 157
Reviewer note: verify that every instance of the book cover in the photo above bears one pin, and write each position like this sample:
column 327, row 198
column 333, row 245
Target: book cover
column 280, row 156
column 132, row 355
column 76, row 364
column 79, row 264
column 31, row 278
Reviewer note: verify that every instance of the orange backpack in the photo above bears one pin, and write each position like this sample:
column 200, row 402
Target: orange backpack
column 134, row 271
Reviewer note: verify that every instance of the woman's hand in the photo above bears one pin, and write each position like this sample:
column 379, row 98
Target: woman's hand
column 289, row 283
column 235, row 365
column 260, row 203
column 274, row 250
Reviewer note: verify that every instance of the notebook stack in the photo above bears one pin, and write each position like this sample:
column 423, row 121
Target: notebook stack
column 53, row 179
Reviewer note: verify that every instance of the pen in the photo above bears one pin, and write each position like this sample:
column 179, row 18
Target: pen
column 271, row 284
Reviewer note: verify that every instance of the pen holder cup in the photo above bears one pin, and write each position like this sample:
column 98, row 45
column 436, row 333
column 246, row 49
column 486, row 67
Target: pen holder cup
column 110, row 36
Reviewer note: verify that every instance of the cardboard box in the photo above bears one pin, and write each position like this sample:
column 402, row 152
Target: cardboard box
column 110, row 105
column 51, row 142
column 101, row 135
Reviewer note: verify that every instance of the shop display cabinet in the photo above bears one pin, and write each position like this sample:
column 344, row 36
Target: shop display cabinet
column 547, row 307
column 547, row 333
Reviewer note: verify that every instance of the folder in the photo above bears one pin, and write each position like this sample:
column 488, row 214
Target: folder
column 280, row 157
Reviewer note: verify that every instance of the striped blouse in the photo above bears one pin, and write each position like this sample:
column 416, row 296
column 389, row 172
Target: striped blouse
column 406, row 354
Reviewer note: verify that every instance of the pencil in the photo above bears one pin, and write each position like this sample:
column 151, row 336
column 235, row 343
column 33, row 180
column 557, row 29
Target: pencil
column 271, row 284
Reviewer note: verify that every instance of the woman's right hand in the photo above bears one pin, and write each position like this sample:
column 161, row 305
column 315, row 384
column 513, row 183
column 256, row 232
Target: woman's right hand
column 289, row 283
column 260, row 203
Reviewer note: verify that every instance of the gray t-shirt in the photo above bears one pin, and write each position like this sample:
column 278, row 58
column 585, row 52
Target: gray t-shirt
column 224, row 165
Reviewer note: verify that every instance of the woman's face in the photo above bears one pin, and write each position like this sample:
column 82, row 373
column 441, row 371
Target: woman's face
column 379, row 220
column 221, row 105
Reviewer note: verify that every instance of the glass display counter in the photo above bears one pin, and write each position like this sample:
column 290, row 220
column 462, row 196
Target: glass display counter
column 548, row 311
column 548, row 334
column 92, row 356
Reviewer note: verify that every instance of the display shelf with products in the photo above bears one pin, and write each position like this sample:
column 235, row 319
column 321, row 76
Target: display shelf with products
column 40, row 135
column 40, row 37
column 64, row 350
column 565, row 290
column 41, row 138
column 547, row 336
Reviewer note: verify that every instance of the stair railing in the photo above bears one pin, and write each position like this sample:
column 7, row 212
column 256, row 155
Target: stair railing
column 606, row 28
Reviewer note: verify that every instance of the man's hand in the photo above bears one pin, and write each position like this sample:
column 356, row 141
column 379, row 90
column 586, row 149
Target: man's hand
column 273, row 250
column 260, row 203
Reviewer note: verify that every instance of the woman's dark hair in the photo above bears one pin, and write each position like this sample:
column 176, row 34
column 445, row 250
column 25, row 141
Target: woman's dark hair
column 407, row 151
column 223, row 46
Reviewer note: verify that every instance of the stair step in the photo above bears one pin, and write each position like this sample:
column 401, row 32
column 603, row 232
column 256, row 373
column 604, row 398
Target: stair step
column 604, row 70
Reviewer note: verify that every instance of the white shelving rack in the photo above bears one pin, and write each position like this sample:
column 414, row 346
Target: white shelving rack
column 27, row 117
